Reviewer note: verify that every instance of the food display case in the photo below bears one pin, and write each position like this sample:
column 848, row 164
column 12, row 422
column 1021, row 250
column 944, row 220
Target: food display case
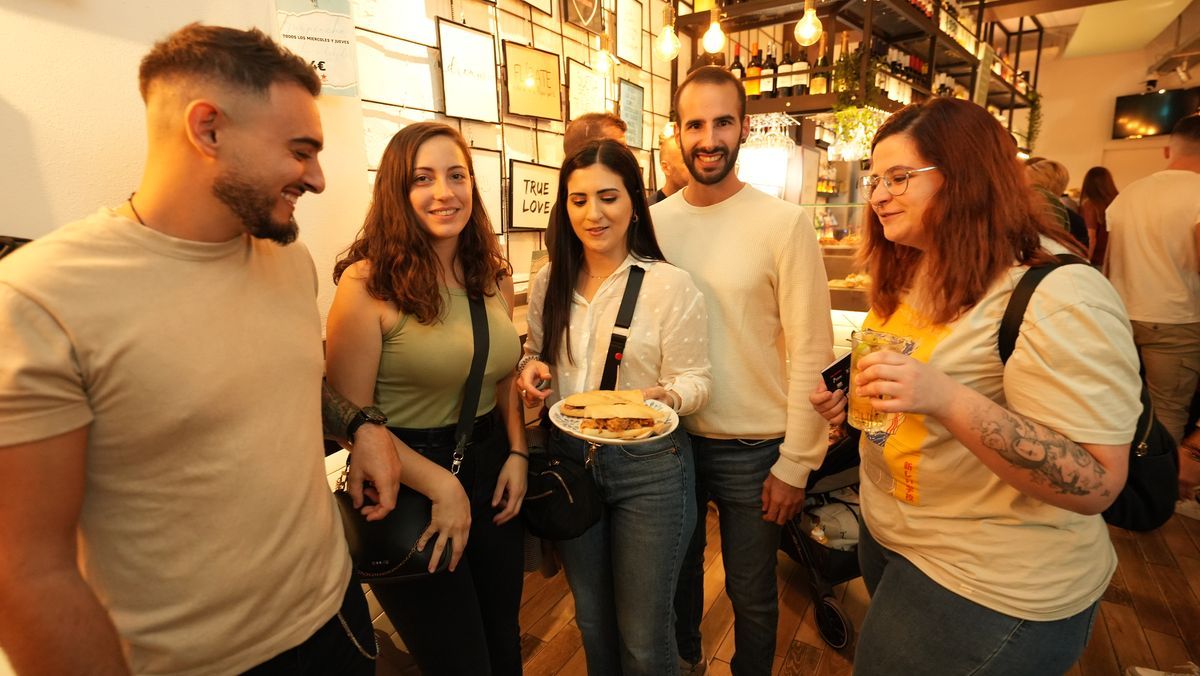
column 836, row 227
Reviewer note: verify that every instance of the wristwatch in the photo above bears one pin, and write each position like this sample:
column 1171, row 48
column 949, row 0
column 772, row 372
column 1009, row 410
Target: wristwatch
column 367, row 414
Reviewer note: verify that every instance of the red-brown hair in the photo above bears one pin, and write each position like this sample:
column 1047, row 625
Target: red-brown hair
column 985, row 217
column 404, row 267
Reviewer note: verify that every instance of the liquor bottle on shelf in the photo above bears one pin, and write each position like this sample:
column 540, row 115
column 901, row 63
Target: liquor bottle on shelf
column 766, row 86
column 819, row 82
column 783, row 75
column 737, row 68
column 800, row 74
column 840, row 84
column 753, row 71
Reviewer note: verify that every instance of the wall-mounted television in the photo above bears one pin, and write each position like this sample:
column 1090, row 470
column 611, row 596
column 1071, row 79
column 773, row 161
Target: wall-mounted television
column 1153, row 114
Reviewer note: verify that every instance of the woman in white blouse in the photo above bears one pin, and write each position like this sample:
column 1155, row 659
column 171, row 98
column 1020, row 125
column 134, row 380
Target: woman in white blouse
column 623, row 570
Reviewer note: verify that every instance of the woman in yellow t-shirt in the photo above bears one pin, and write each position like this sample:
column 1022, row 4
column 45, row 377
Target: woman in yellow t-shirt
column 399, row 338
column 982, row 543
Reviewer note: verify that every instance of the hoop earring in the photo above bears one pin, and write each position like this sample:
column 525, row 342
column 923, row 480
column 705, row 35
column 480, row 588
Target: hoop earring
column 635, row 220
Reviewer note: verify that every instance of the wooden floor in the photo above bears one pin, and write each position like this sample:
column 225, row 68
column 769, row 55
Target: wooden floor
column 1150, row 615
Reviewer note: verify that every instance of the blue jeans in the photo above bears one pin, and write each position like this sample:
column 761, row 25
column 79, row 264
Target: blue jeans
column 345, row 645
column 916, row 626
column 622, row 571
column 731, row 472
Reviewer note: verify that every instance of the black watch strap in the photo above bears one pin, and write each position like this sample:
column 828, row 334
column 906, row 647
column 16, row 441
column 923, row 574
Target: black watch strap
column 369, row 414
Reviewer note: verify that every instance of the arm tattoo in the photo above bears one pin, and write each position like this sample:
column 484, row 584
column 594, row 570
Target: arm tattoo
column 1051, row 458
column 336, row 412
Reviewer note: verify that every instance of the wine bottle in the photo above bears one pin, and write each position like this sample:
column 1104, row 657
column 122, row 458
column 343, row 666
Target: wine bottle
column 783, row 75
column 738, row 70
column 753, row 70
column 800, row 74
column 819, row 82
column 767, row 84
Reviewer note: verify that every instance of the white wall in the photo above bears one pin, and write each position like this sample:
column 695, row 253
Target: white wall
column 72, row 118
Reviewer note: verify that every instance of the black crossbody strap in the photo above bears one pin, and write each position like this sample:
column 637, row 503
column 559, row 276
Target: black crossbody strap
column 466, row 415
column 616, row 344
column 1010, row 325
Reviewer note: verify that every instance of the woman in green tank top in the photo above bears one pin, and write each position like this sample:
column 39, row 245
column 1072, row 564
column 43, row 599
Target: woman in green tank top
column 399, row 337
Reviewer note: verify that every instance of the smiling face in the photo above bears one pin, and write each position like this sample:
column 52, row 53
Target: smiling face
column 711, row 131
column 902, row 216
column 440, row 188
column 600, row 209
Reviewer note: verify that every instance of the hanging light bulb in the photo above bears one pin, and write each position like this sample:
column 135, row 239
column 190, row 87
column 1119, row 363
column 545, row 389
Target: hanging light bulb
column 714, row 39
column 667, row 43
column 808, row 28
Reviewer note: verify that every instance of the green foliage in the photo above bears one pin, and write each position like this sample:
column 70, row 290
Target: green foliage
column 1035, row 118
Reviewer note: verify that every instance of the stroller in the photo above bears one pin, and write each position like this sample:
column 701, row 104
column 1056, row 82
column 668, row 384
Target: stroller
column 832, row 491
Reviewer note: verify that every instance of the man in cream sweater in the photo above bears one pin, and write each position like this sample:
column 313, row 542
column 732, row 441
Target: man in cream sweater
column 756, row 260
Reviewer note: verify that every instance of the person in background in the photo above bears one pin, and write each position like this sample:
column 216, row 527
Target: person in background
column 623, row 570
column 591, row 127
column 159, row 387
column 400, row 339
column 1050, row 179
column 670, row 159
column 1097, row 192
column 756, row 260
column 1154, row 263
column 981, row 506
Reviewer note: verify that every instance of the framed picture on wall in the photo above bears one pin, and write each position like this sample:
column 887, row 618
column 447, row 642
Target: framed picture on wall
column 546, row 6
column 533, row 82
column 532, row 191
column 629, row 31
column 585, row 90
column 488, row 164
column 587, row 14
column 631, row 98
column 468, row 59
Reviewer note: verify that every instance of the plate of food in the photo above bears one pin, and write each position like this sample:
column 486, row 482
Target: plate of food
column 614, row 417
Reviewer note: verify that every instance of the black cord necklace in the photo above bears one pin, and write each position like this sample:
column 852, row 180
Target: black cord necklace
column 134, row 209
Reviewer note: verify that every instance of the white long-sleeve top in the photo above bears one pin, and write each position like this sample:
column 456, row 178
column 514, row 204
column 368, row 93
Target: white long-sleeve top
column 667, row 344
column 756, row 260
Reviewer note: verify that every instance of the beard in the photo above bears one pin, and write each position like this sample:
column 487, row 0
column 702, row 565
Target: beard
column 253, row 206
column 689, row 160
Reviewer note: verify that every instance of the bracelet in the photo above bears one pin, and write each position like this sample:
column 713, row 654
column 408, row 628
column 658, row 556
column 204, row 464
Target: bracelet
column 523, row 454
column 1192, row 451
column 525, row 361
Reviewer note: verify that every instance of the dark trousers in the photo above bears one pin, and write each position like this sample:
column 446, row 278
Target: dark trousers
column 345, row 645
column 465, row 622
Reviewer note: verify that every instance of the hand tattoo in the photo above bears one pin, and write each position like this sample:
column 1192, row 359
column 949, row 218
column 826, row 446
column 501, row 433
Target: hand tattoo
column 1053, row 459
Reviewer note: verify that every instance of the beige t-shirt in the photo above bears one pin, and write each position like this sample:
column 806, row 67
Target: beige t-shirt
column 208, row 530
column 1152, row 247
column 756, row 260
column 927, row 497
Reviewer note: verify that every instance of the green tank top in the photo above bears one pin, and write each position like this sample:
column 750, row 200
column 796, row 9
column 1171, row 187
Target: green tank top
column 423, row 368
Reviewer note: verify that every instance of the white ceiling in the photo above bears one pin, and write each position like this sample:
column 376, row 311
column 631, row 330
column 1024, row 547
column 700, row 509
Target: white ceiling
column 1121, row 26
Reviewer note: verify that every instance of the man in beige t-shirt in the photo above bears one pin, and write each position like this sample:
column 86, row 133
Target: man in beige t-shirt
column 160, row 384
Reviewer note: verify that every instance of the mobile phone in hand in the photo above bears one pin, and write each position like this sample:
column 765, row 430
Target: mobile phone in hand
column 837, row 375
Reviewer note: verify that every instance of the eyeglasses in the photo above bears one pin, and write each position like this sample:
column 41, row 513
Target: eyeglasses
column 896, row 182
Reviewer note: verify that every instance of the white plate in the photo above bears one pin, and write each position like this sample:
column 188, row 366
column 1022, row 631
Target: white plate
column 570, row 425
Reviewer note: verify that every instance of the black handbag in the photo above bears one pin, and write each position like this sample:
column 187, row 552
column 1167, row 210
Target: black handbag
column 1152, row 486
column 386, row 550
column 561, row 497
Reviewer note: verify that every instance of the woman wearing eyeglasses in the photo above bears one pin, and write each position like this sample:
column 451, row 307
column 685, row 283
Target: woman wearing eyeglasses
column 982, row 546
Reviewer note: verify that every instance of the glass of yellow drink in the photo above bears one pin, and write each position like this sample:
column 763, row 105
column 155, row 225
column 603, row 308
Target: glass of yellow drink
column 861, row 414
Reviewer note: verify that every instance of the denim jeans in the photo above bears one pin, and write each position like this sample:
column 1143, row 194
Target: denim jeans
column 466, row 621
column 623, row 570
column 916, row 626
column 731, row 472
column 336, row 648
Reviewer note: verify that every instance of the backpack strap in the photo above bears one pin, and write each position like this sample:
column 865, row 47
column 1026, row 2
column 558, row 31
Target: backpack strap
column 620, row 334
column 1010, row 325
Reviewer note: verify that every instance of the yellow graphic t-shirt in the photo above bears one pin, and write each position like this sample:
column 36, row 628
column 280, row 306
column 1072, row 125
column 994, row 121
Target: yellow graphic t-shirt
column 929, row 498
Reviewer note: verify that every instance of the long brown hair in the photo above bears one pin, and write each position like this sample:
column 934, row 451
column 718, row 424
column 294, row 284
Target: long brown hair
column 1099, row 191
column 404, row 267
column 984, row 217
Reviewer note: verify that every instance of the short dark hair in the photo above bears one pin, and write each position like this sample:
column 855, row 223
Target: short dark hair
column 246, row 59
column 1188, row 131
column 714, row 75
column 587, row 128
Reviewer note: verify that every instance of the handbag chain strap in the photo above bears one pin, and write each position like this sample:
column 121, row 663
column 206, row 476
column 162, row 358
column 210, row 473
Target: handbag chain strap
column 620, row 334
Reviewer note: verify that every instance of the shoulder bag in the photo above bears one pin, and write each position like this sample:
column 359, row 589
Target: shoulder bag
column 562, row 500
column 1151, row 487
column 386, row 550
